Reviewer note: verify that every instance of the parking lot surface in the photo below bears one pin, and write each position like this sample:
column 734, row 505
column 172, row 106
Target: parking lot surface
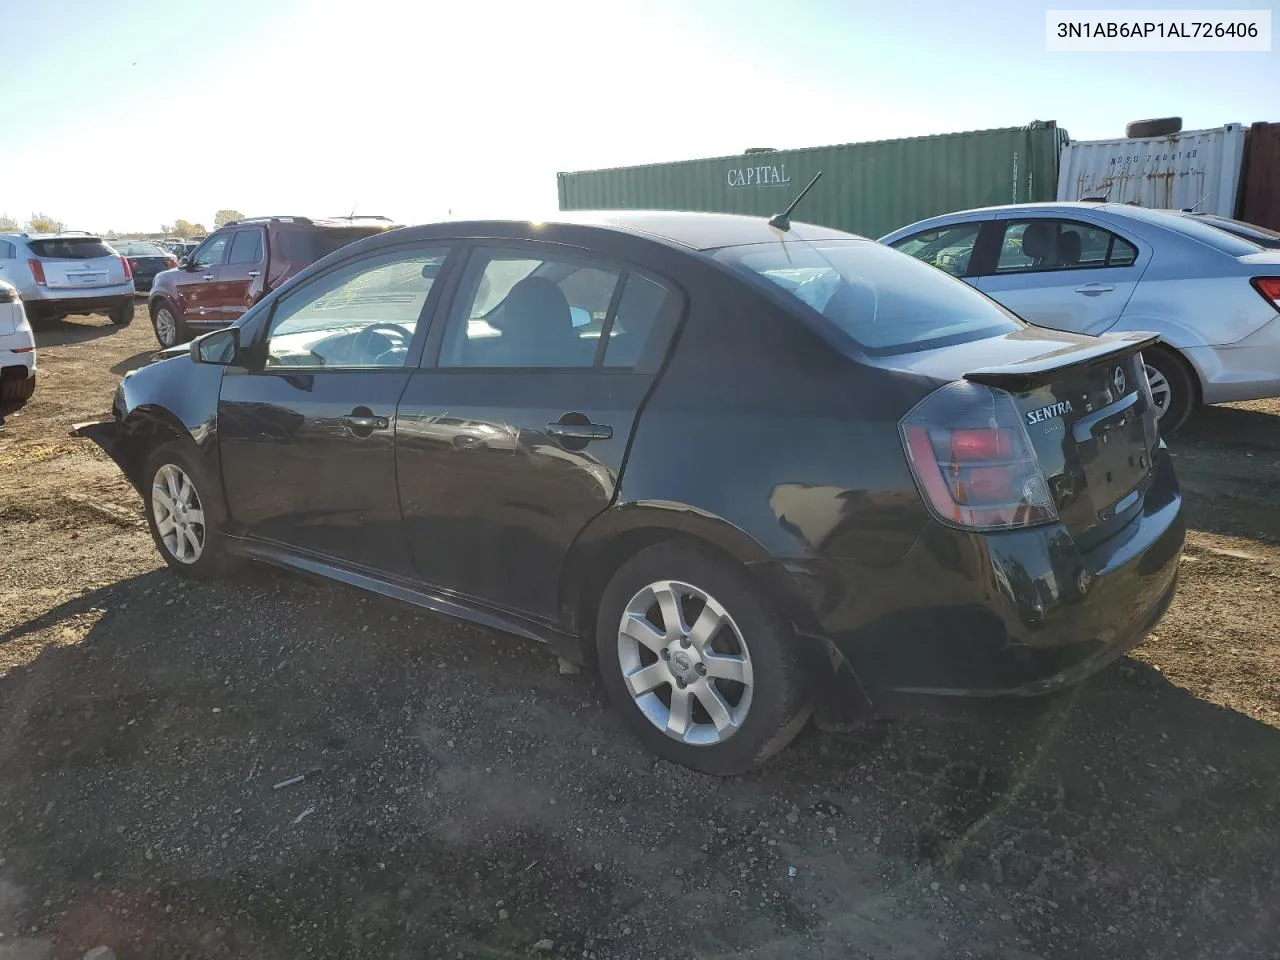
column 463, row 798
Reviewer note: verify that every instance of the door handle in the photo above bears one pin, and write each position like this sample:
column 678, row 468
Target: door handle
column 1093, row 289
column 255, row 273
column 580, row 431
column 207, row 276
column 357, row 422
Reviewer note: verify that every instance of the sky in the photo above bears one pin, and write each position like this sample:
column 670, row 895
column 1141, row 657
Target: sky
column 130, row 114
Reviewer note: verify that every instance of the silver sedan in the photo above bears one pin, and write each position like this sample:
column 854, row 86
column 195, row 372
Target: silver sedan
column 1214, row 297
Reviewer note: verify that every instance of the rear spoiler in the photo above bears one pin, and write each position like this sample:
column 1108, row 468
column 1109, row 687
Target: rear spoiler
column 1037, row 371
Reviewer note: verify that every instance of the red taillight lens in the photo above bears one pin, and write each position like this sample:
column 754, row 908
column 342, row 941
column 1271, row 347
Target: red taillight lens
column 170, row 263
column 1269, row 287
column 37, row 271
column 973, row 460
column 128, row 269
column 985, row 443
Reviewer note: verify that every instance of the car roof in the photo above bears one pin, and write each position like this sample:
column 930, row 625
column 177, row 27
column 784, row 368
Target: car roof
column 688, row 229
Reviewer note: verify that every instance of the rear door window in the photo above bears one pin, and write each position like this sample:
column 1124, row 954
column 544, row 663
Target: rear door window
column 1032, row 246
column 246, row 247
column 948, row 248
column 70, row 248
column 519, row 309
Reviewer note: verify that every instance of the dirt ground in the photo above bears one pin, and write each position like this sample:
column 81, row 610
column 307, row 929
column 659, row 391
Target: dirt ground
column 464, row 799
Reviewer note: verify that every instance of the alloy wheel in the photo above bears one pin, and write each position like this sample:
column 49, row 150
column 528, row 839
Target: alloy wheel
column 166, row 327
column 1161, row 390
column 178, row 513
column 684, row 662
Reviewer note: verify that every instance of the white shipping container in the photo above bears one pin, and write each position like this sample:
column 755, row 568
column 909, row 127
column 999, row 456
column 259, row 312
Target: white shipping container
column 1194, row 168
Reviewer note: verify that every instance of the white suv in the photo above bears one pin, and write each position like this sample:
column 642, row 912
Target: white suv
column 65, row 273
column 17, row 348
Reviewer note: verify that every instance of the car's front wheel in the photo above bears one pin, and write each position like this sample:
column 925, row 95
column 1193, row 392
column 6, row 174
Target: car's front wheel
column 704, row 673
column 1172, row 388
column 182, row 513
column 170, row 331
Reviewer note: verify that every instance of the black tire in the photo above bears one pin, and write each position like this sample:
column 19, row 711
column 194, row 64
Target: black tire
column 1165, row 366
column 122, row 315
column 212, row 561
column 1153, row 128
column 179, row 334
column 17, row 391
column 779, row 703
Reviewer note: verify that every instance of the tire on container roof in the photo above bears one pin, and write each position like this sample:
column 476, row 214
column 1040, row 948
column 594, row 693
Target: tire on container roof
column 1161, row 127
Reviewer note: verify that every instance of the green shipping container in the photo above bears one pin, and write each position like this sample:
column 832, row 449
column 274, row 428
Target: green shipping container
column 866, row 188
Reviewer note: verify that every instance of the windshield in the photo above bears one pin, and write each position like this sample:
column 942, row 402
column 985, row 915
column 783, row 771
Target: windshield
column 69, row 248
column 885, row 301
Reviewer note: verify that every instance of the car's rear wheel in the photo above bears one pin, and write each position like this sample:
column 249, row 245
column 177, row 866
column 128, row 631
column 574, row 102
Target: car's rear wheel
column 170, row 331
column 182, row 513
column 122, row 315
column 1172, row 388
column 14, row 390
column 703, row 672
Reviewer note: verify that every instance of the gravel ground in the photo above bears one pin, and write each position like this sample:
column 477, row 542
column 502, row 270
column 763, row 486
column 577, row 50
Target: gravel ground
column 462, row 798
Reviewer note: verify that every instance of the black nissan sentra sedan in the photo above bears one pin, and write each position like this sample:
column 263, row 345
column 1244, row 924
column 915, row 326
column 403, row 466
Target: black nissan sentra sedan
column 741, row 467
column 145, row 260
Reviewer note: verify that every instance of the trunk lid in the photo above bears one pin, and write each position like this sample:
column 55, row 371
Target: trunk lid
column 1086, row 407
column 78, row 263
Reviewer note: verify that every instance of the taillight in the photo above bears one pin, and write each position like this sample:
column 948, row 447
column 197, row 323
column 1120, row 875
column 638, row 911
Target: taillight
column 973, row 460
column 128, row 270
column 37, row 271
column 1269, row 287
column 170, row 263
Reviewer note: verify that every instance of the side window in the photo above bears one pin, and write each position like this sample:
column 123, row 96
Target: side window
column 212, row 252
column 514, row 310
column 6, row 250
column 1041, row 244
column 640, row 308
column 363, row 314
column 246, row 247
column 947, row 248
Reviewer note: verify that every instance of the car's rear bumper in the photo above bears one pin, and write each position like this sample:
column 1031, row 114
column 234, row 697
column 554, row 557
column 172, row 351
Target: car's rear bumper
column 1248, row 370
column 1009, row 614
column 107, row 298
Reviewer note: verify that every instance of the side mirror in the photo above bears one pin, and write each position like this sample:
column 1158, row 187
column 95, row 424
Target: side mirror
column 219, row 348
column 184, row 263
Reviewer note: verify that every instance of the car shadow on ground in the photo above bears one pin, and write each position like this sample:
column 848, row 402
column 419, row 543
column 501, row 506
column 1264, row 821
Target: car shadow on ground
column 459, row 794
column 57, row 333
column 135, row 362
column 1232, row 427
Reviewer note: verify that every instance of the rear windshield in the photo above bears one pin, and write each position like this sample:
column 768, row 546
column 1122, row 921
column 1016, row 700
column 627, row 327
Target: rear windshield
column 133, row 248
column 885, row 301
column 1249, row 231
column 1189, row 227
column 70, row 248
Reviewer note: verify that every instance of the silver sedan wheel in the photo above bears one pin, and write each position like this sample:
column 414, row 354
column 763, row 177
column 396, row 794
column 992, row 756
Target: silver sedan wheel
column 1161, row 391
column 685, row 663
column 166, row 327
column 178, row 513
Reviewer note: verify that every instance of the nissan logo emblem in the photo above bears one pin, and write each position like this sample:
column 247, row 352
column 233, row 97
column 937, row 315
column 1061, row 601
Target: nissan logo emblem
column 1117, row 377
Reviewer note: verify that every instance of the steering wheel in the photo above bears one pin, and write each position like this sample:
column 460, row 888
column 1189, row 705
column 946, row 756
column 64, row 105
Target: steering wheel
column 363, row 344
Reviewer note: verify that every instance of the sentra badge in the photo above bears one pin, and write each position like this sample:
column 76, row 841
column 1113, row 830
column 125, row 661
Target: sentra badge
column 1049, row 412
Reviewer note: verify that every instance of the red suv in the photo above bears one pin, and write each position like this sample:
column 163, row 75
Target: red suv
column 240, row 263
